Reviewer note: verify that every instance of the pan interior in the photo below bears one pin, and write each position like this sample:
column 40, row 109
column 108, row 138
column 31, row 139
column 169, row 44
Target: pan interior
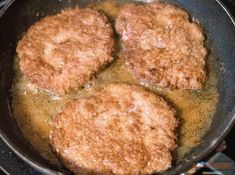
column 33, row 108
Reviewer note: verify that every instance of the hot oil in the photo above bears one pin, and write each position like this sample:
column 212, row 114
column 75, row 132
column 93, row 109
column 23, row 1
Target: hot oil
column 195, row 109
column 34, row 108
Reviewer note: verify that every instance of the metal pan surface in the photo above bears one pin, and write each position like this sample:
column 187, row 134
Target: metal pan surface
column 219, row 28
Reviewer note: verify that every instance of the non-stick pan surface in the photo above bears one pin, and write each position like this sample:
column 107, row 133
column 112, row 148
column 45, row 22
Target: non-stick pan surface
column 219, row 28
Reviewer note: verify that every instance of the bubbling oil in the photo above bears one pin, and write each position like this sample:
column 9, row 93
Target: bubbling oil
column 34, row 108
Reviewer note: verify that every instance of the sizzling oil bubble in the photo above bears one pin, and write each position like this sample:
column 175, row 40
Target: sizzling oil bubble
column 33, row 108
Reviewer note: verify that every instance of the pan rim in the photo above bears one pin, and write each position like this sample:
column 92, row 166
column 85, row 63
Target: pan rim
column 185, row 166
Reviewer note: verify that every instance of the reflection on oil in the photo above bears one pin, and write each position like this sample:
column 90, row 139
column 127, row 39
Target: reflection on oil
column 33, row 108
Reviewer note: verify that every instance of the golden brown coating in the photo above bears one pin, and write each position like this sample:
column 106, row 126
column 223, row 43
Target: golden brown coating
column 122, row 129
column 62, row 52
column 161, row 46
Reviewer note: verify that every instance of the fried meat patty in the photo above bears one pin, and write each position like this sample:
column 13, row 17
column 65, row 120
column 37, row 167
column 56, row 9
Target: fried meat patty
column 122, row 129
column 161, row 46
column 62, row 52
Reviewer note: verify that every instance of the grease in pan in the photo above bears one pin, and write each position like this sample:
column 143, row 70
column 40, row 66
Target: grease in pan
column 34, row 108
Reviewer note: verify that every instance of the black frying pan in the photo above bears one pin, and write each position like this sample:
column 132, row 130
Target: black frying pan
column 219, row 27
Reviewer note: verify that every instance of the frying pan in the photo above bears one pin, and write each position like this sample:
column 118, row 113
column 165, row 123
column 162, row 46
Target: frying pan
column 219, row 27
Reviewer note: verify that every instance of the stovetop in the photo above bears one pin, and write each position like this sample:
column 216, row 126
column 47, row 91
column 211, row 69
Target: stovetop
column 6, row 155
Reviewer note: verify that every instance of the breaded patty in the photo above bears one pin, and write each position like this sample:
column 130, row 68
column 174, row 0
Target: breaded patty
column 161, row 46
column 62, row 52
column 122, row 129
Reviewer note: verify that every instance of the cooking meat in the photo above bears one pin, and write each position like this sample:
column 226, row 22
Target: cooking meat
column 122, row 129
column 161, row 46
column 62, row 52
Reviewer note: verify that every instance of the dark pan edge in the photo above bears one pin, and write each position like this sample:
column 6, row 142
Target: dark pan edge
column 180, row 169
column 5, row 7
column 223, row 134
column 185, row 167
column 27, row 159
column 227, row 11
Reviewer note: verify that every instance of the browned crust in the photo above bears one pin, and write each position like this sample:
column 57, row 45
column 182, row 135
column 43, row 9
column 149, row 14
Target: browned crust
column 62, row 52
column 161, row 46
column 122, row 129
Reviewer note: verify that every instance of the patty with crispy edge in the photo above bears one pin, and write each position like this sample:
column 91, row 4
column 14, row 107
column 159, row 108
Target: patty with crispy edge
column 122, row 129
column 62, row 52
column 161, row 46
